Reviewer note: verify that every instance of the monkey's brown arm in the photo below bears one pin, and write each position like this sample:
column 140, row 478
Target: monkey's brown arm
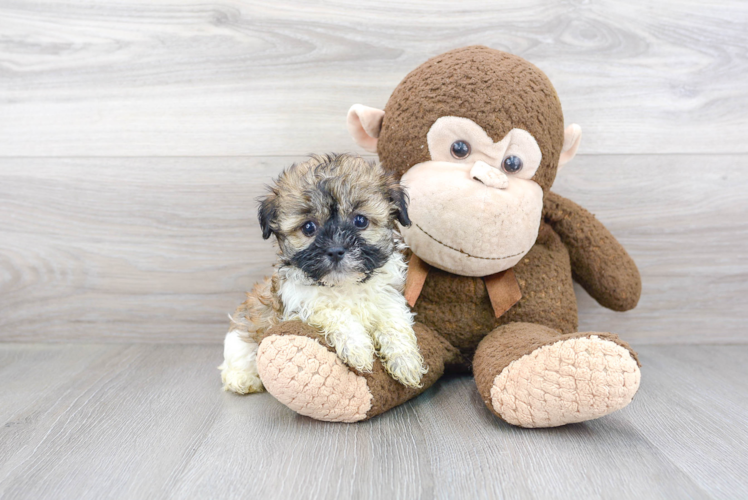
column 598, row 262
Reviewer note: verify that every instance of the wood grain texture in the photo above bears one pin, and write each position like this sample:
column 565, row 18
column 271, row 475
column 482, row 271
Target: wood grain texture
column 137, row 421
column 135, row 138
column 161, row 250
column 682, row 218
column 225, row 78
column 705, row 408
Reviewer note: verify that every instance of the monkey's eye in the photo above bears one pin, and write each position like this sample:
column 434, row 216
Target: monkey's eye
column 309, row 228
column 512, row 164
column 460, row 149
column 360, row 221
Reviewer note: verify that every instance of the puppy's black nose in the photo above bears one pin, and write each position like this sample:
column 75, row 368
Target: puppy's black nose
column 336, row 254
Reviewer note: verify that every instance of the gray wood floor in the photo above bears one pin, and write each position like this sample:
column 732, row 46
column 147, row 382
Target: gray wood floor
column 150, row 421
column 136, row 135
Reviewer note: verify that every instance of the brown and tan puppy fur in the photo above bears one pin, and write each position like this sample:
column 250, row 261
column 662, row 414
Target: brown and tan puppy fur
column 340, row 270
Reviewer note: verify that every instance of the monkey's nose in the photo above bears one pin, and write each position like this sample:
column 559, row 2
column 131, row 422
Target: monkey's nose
column 491, row 177
column 336, row 254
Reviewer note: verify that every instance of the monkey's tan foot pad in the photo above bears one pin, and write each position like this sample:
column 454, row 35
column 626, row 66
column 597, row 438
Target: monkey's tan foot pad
column 570, row 381
column 303, row 375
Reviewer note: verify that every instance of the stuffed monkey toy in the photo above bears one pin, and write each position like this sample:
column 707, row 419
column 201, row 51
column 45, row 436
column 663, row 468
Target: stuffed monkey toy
column 476, row 136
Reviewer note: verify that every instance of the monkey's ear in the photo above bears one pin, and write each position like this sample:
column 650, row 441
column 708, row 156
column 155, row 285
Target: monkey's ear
column 400, row 200
column 364, row 125
column 572, row 138
column 267, row 214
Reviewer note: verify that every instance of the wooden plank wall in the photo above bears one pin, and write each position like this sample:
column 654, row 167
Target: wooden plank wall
column 135, row 137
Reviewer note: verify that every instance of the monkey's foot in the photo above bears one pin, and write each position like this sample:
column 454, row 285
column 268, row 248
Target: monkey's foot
column 570, row 381
column 532, row 376
column 301, row 371
column 311, row 380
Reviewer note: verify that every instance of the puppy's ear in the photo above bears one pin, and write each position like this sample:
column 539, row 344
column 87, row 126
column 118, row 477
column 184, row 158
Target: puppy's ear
column 268, row 214
column 399, row 200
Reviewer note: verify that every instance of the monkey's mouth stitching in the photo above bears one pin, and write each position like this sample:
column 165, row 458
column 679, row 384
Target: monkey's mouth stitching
column 462, row 251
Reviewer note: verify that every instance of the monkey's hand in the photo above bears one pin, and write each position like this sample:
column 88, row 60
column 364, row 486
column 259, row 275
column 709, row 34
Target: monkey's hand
column 398, row 350
column 598, row 261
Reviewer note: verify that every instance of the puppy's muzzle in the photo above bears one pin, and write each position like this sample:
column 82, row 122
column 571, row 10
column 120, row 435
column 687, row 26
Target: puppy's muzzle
column 335, row 254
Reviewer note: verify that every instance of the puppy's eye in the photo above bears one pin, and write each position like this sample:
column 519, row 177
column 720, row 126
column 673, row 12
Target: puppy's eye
column 512, row 164
column 309, row 228
column 460, row 149
column 360, row 222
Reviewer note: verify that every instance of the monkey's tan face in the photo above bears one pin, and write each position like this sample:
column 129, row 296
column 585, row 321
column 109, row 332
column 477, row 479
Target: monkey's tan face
column 475, row 209
column 476, row 185
column 334, row 218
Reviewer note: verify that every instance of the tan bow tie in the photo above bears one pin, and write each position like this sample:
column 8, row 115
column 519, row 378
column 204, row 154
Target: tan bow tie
column 503, row 289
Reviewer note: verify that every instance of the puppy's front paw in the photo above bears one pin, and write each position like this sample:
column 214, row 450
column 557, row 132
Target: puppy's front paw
column 357, row 351
column 406, row 367
column 398, row 350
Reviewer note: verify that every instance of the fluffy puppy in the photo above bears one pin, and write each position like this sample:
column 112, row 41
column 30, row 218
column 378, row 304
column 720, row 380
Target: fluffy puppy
column 340, row 269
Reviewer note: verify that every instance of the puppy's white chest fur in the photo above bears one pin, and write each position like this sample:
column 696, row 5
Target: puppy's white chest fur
column 306, row 301
column 359, row 318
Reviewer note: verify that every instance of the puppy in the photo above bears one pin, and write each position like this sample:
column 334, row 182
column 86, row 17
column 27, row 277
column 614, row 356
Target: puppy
column 340, row 269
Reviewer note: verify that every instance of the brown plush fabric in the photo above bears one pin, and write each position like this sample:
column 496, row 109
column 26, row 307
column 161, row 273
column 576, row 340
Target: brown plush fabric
column 598, row 262
column 471, row 83
column 500, row 91
column 457, row 327
column 459, row 308
column 510, row 342
column 300, row 329
column 503, row 291
column 504, row 345
column 387, row 392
